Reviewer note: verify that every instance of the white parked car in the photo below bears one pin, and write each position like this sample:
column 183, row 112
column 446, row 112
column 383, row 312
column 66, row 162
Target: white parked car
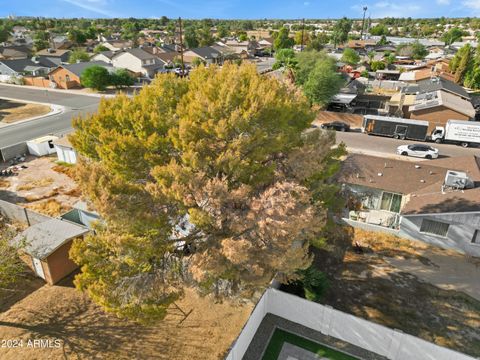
column 418, row 150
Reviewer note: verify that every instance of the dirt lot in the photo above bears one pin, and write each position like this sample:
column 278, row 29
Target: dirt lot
column 86, row 332
column 370, row 286
column 355, row 121
column 43, row 186
column 11, row 111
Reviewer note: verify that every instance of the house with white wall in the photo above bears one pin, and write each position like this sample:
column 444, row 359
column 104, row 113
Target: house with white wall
column 437, row 202
column 138, row 61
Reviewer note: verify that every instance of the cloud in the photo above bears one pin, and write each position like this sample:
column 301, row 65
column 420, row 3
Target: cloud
column 392, row 9
column 443, row 2
column 306, row 3
column 95, row 6
column 472, row 4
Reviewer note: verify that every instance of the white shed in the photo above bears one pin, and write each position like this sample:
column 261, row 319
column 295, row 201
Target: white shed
column 42, row 146
column 65, row 151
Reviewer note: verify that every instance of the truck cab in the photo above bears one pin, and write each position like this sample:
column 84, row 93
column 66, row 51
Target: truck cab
column 438, row 134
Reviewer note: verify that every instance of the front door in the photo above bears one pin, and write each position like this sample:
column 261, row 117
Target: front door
column 37, row 264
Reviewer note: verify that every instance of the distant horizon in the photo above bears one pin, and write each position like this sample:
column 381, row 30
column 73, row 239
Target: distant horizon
column 241, row 9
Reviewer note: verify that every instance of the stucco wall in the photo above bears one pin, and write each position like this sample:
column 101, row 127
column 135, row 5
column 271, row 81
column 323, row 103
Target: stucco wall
column 459, row 236
column 438, row 116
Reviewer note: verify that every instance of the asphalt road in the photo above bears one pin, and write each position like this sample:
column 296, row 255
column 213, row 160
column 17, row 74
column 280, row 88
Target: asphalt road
column 79, row 104
column 61, row 123
column 385, row 145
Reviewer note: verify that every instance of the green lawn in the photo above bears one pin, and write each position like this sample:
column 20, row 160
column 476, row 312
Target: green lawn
column 279, row 337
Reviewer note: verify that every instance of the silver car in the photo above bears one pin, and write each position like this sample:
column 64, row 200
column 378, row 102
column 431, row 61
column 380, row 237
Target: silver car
column 418, row 150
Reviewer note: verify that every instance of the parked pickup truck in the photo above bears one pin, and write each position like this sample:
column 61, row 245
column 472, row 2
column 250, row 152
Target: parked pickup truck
column 460, row 132
column 397, row 128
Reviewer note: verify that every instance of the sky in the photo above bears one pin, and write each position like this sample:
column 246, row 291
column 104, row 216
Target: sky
column 239, row 9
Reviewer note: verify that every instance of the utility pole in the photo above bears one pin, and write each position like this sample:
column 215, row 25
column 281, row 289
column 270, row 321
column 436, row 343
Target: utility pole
column 303, row 33
column 181, row 45
column 363, row 22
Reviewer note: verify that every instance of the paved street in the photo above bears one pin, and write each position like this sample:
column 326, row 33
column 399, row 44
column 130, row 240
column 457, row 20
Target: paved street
column 74, row 105
column 78, row 104
column 385, row 145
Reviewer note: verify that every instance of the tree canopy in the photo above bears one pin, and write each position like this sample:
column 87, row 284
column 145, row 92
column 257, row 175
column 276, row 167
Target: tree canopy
column 341, row 29
column 350, row 56
column 209, row 181
column 282, row 40
column 78, row 55
column 316, row 74
column 95, row 77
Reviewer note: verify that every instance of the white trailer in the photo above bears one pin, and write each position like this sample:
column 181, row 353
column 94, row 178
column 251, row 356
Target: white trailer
column 461, row 132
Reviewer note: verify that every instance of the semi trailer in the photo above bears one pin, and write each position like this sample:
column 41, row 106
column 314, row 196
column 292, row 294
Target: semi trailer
column 397, row 128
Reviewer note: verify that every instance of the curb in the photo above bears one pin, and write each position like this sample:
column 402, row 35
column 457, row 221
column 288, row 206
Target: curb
column 55, row 110
column 61, row 91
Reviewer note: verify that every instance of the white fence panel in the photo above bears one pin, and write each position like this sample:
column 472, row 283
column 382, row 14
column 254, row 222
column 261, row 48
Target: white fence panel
column 249, row 330
column 376, row 338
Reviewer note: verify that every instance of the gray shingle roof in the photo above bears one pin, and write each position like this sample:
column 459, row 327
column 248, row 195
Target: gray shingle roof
column 20, row 65
column 78, row 68
column 206, row 52
column 44, row 238
column 140, row 53
column 442, row 84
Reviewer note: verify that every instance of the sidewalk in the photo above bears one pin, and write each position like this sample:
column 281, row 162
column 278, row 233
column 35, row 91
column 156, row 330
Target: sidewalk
column 63, row 91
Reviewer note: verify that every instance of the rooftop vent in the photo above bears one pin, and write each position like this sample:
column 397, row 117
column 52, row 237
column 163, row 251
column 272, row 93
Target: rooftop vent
column 458, row 180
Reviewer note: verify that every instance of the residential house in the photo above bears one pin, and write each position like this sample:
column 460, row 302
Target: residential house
column 68, row 76
column 437, row 202
column 14, row 52
column 437, row 107
column 57, row 56
column 245, row 49
column 61, row 42
column 20, row 67
column 117, row 44
column 105, row 56
column 47, row 246
column 139, row 62
column 362, row 46
column 207, row 54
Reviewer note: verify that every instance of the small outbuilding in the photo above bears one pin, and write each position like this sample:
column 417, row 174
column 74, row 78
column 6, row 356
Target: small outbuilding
column 65, row 151
column 42, row 146
column 47, row 246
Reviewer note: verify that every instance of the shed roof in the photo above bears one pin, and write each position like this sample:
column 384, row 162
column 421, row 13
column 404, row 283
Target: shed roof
column 44, row 238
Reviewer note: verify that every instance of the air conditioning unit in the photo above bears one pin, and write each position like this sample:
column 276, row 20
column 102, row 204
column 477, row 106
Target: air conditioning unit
column 458, row 180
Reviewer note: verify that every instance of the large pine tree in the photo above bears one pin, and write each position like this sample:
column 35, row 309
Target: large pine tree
column 214, row 181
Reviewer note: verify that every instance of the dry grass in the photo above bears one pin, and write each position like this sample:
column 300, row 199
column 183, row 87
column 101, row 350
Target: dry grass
column 368, row 285
column 35, row 184
column 4, row 183
column 66, row 169
column 10, row 113
column 86, row 332
column 50, row 207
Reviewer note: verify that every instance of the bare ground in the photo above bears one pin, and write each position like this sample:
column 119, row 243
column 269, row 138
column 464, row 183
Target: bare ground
column 86, row 332
column 11, row 111
column 44, row 186
column 368, row 285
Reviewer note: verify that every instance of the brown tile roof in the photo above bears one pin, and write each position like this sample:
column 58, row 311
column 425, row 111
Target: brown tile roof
column 422, row 185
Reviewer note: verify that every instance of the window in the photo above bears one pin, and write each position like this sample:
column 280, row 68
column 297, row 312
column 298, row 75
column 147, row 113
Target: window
column 434, row 227
column 391, row 202
column 476, row 237
column 67, row 77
